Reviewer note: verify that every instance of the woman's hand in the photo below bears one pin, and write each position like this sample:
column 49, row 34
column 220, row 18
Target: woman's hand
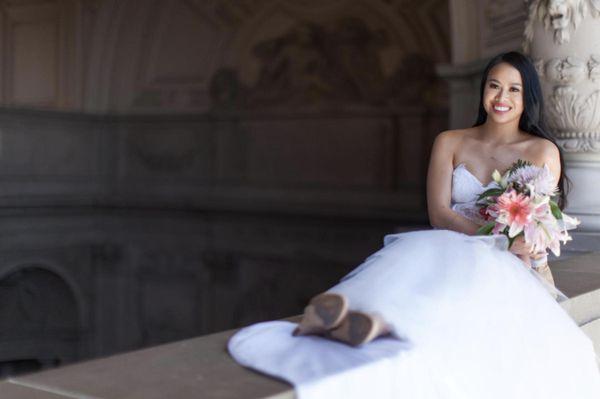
column 525, row 252
column 520, row 248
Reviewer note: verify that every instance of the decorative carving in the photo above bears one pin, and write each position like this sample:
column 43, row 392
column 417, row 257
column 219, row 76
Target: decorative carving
column 558, row 16
column 595, row 7
column 583, row 144
column 338, row 62
column 569, row 112
column 594, row 67
column 539, row 67
column 165, row 155
column 568, row 70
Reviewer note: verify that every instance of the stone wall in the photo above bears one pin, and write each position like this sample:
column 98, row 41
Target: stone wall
column 190, row 166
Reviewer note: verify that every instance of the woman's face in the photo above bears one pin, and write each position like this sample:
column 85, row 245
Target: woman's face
column 503, row 94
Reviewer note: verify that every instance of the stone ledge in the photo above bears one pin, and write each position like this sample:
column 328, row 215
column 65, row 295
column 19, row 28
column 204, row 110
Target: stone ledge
column 201, row 367
column 198, row 367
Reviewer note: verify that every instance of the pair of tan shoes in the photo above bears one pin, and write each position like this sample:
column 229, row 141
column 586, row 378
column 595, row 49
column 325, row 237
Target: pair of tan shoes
column 327, row 314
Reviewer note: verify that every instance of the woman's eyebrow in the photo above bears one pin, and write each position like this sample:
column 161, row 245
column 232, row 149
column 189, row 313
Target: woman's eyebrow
column 496, row 80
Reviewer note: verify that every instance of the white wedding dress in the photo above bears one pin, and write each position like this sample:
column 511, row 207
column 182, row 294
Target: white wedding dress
column 469, row 322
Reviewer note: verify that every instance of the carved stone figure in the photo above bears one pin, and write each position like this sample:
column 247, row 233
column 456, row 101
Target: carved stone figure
column 557, row 16
column 566, row 71
column 594, row 67
column 334, row 63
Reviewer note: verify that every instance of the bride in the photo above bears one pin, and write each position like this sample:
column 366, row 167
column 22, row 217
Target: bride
column 455, row 315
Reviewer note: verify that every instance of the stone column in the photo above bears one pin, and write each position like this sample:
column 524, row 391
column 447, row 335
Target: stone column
column 563, row 39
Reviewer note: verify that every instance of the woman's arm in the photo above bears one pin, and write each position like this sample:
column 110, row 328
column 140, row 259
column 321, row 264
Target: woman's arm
column 439, row 186
column 545, row 153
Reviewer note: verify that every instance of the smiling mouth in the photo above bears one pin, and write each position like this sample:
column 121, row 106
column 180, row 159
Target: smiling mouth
column 501, row 108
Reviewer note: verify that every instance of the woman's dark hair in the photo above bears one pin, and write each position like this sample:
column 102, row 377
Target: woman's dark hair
column 532, row 119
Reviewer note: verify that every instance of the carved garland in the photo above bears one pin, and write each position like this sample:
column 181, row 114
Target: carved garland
column 569, row 70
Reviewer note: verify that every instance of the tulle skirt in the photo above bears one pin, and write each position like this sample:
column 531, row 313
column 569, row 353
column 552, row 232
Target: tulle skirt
column 469, row 320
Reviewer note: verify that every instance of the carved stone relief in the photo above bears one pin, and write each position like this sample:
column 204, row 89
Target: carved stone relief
column 569, row 68
column 559, row 16
column 574, row 118
column 338, row 62
column 185, row 151
column 594, row 67
column 570, row 113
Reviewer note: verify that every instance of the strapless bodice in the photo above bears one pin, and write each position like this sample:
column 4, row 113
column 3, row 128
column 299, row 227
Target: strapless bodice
column 465, row 190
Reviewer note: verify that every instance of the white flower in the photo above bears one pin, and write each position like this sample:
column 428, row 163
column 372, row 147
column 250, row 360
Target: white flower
column 539, row 180
column 502, row 181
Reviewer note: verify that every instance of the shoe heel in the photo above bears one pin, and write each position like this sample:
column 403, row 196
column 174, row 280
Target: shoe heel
column 357, row 329
column 324, row 312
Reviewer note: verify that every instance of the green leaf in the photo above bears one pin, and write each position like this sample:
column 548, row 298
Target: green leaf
column 519, row 163
column 486, row 229
column 556, row 212
column 512, row 239
column 491, row 192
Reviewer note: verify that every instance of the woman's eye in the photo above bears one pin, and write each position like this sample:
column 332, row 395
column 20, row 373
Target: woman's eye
column 493, row 85
column 514, row 89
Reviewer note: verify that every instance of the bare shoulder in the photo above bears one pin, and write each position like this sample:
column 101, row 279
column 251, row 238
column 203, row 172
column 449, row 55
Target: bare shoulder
column 454, row 137
column 542, row 150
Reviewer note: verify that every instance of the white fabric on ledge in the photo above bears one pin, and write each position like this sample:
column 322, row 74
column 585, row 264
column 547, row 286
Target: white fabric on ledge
column 469, row 321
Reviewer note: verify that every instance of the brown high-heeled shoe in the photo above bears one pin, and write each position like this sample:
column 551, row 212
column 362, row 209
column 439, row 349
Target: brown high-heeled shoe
column 359, row 328
column 324, row 312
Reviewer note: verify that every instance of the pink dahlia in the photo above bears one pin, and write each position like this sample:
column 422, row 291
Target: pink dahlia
column 514, row 210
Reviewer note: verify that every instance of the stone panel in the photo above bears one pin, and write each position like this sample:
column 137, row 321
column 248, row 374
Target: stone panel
column 166, row 150
column 325, row 152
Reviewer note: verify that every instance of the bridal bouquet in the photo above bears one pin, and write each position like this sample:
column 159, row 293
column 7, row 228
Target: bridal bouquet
column 522, row 203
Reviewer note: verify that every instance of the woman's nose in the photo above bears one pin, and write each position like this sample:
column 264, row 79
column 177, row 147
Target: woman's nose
column 503, row 93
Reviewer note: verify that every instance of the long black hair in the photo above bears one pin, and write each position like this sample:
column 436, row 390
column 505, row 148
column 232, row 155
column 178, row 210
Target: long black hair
column 532, row 119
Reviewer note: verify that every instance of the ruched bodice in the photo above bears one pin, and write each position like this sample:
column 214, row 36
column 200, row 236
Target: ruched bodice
column 465, row 190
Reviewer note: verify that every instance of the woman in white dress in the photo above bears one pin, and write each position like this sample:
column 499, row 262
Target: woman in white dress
column 463, row 316
column 506, row 130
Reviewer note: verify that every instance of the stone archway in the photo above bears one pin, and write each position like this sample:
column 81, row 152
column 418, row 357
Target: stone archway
column 39, row 320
